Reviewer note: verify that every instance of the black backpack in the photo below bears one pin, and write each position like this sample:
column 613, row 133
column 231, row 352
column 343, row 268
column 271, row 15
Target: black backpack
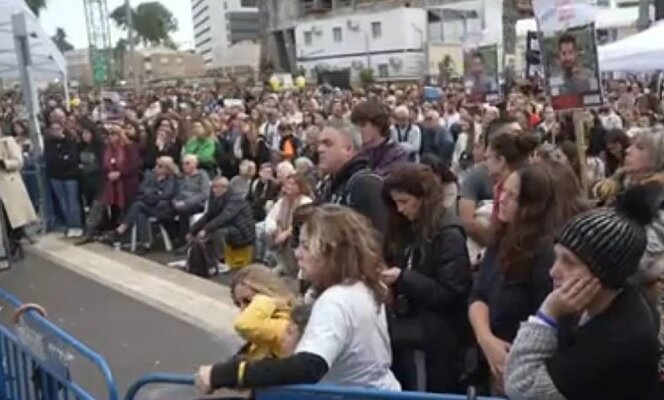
column 200, row 259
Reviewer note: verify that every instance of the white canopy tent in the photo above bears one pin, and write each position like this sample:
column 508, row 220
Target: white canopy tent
column 27, row 52
column 47, row 61
column 643, row 52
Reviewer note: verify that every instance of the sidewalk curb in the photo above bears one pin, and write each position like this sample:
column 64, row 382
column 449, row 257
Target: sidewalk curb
column 204, row 304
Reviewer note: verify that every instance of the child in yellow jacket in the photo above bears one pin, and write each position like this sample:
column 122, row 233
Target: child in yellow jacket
column 267, row 305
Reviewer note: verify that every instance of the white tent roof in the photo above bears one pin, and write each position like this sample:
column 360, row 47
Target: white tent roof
column 47, row 61
column 607, row 18
column 642, row 52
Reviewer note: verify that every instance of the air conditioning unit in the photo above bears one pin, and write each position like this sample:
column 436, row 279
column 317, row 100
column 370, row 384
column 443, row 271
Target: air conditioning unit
column 352, row 25
column 316, row 30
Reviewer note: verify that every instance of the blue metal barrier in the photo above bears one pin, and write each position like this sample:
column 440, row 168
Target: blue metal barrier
column 35, row 360
column 301, row 392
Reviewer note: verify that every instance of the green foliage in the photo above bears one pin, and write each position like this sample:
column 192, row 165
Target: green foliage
column 367, row 77
column 36, row 5
column 60, row 40
column 153, row 23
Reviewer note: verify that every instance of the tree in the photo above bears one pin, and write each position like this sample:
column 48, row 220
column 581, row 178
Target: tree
column 60, row 40
column 153, row 23
column 36, row 5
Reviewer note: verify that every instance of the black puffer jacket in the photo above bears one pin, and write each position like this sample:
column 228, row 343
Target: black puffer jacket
column 429, row 312
column 231, row 211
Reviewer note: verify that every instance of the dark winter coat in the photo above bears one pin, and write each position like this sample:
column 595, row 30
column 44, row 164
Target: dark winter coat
column 61, row 155
column 429, row 312
column 355, row 186
column 230, row 210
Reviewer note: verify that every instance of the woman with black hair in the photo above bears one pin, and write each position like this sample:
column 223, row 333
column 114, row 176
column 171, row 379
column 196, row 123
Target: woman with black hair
column 430, row 278
column 446, row 177
column 616, row 145
column 506, row 153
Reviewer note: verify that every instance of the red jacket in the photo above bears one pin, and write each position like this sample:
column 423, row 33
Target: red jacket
column 123, row 159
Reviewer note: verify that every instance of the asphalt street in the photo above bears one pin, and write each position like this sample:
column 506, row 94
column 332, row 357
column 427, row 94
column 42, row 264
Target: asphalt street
column 133, row 337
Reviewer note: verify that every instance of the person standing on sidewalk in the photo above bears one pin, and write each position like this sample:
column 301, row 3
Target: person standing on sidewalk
column 63, row 171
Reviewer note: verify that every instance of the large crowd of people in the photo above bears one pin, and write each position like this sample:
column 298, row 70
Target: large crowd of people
column 438, row 245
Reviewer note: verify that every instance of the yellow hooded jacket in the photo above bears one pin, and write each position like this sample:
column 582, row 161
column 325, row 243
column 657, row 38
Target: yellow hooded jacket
column 263, row 325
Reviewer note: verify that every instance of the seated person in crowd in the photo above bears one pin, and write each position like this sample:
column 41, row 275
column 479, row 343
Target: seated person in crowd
column 192, row 193
column 263, row 191
column 306, row 168
column 154, row 199
column 279, row 222
column 228, row 221
column 241, row 182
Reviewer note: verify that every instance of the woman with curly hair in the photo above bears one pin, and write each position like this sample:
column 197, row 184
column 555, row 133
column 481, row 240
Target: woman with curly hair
column 514, row 277
column 430, row 278
column 346, row 341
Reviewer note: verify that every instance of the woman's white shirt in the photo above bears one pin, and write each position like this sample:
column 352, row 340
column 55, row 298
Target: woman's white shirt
column 349, row 331
column 272, row 216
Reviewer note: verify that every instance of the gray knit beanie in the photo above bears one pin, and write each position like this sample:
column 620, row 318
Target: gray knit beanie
column 611, row 241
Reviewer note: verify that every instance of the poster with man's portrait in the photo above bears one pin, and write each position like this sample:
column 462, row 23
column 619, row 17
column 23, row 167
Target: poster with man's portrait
column 571, row 67
column 481, row 75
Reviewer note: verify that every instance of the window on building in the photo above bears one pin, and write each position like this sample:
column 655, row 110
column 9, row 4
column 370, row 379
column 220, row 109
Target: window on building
column 248, row 3
column 148, row 66
column 308, row 38
column 383, row 70
column 337, row 34
column 164, row 60
column 376, row 29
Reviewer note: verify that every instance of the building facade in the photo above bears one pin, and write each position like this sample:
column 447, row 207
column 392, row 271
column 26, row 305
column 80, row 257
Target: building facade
column 390, row 42
column 226, row 33
column 78, row 66
column 390, row 37
column 154, row 64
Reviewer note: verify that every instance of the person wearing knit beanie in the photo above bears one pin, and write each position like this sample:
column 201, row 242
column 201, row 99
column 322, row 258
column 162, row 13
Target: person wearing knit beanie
column 595, row 335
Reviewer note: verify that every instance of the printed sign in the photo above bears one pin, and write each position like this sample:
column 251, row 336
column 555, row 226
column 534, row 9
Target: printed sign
column 571, row 67
column 481, row 75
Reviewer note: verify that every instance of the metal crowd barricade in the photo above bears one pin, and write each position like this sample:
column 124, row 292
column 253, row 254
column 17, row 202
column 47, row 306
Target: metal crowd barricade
column 299, row 392
column 35, row 358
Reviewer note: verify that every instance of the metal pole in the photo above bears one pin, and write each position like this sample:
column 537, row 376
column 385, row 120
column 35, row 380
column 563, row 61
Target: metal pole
column 644, row 15
column 132, row 46
column 366, row 49
column 22, row 46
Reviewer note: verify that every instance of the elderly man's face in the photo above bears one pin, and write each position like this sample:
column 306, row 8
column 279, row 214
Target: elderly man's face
column 219, row 188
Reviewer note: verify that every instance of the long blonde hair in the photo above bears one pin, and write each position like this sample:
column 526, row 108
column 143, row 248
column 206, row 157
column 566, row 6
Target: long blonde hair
column 347, row 246
column 262, row 280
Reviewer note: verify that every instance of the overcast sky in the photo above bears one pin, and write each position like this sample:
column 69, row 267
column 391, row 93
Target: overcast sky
column 70, row 15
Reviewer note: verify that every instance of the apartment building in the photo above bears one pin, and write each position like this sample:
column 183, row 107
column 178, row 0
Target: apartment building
column 226, row 33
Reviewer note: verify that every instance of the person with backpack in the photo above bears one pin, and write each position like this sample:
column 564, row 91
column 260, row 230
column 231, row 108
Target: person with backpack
column 349, row 180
